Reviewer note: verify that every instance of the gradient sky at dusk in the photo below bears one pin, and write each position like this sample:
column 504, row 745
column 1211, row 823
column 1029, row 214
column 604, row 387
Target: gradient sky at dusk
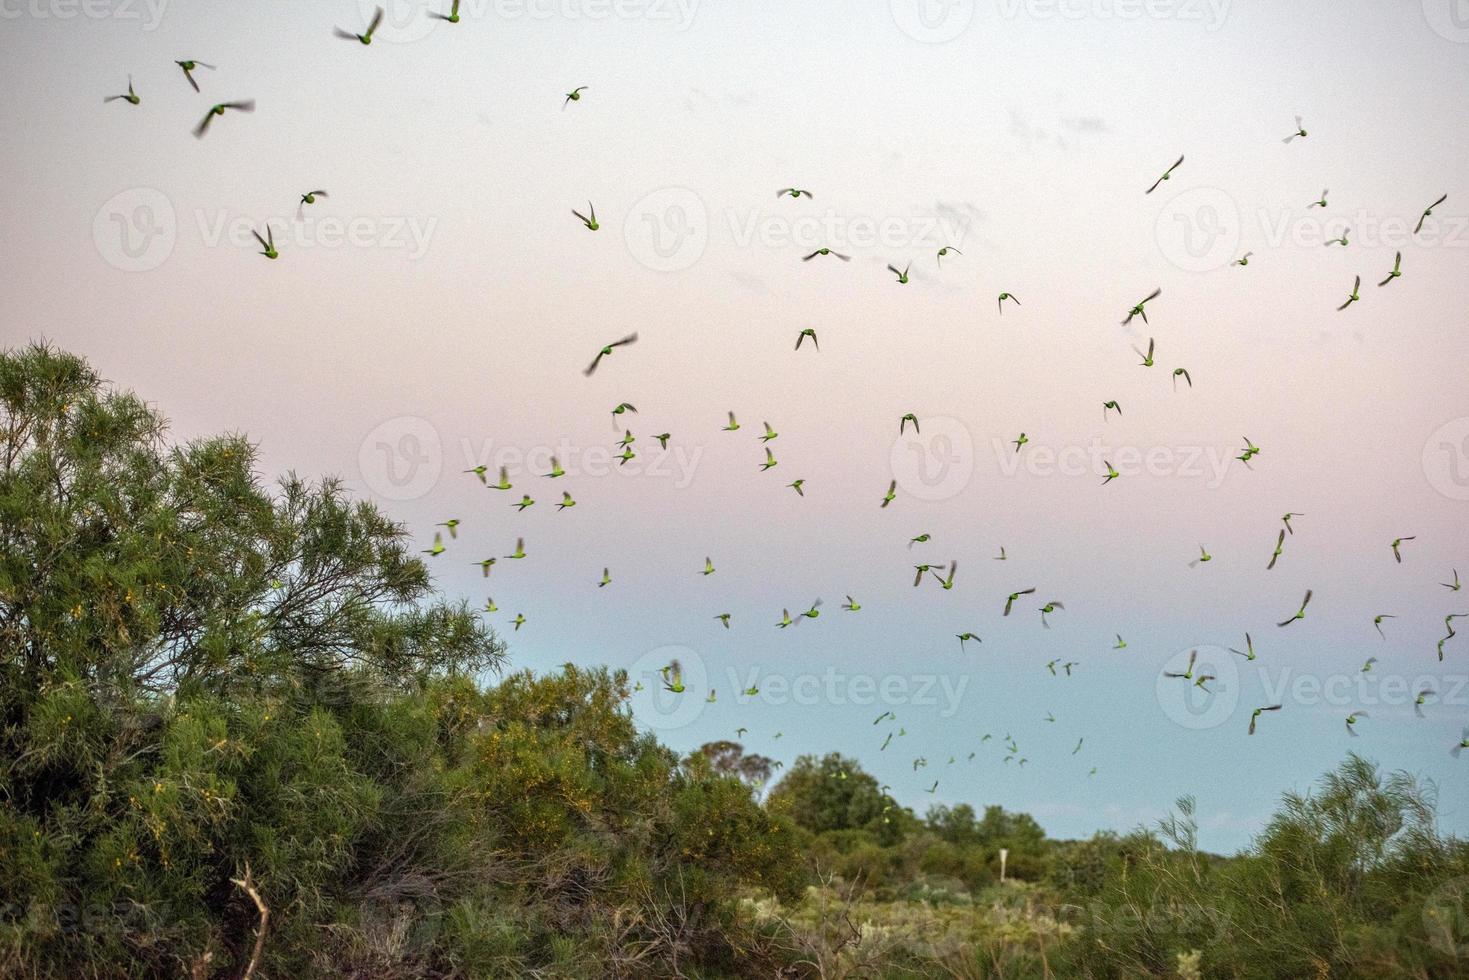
column 436, row 310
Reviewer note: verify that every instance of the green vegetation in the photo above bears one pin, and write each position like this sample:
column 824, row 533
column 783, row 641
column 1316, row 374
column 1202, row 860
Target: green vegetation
column 241, row 736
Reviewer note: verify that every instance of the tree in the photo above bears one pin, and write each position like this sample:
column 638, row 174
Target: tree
column 729, row 758
column 239, row 727
column 834, row 794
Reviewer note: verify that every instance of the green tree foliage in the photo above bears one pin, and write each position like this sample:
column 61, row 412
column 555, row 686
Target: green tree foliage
column 1350, row 881
column 834, row 793
column 212, row 689
column 239, row 729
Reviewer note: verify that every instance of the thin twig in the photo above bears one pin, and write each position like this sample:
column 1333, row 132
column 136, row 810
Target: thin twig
column 248, row 886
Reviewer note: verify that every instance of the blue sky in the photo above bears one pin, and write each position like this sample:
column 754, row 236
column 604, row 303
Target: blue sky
column 436, row 309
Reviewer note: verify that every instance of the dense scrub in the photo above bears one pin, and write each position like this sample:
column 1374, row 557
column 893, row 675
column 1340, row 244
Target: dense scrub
column 240, row 734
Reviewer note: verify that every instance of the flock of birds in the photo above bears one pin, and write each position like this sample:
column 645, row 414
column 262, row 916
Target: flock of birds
column 672, row 673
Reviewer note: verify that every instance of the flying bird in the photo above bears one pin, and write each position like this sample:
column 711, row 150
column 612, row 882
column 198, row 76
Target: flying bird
column 1397, row 270
column 1279, row 547
column 825, row 251
column 1139, row 309
column 590, row 223
column 267, row 244
column 1255, row 715
column 188, row 66
column 1353, row 297
column 1188, row 673
column 1166, row 175
column 1300, row 613
column 607, row 352
column 1428, row 212
column 574, row 95
column 308, row 198
column 131, row 98
column 1010, row 602
column 1301, row 132
column 247, row 105
column 1249, row 651
column 366, row 36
